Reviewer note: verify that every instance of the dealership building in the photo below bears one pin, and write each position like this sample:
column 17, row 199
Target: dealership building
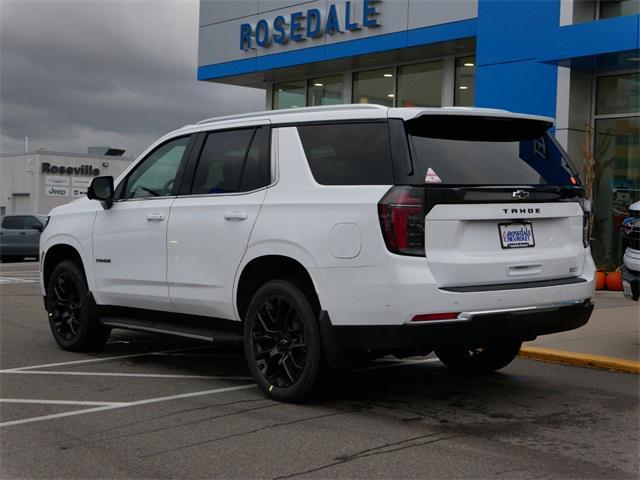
column 35, row 182
column 574, row 60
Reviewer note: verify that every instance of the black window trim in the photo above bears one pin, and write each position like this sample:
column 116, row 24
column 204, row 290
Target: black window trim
column 191, row 165
column 179, row 174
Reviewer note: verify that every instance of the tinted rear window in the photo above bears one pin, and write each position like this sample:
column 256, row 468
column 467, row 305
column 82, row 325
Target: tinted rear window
column 348, row 153
column 484, row 151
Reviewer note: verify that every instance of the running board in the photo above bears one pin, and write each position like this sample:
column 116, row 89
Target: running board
column 176, row 329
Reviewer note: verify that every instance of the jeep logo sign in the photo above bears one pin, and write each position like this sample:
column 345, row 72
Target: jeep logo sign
column 86, row 170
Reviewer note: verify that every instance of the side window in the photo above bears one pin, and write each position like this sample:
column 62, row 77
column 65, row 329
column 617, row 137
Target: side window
column 155, row 176
column 348, row 153
column 232, row 161
column 13, row 222
column 30, row 222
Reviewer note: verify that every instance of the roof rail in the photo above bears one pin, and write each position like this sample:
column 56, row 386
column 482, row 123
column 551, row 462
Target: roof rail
column 288, row 111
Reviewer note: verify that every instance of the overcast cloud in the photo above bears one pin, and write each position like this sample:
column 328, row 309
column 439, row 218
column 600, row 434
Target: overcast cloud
column 107, row 72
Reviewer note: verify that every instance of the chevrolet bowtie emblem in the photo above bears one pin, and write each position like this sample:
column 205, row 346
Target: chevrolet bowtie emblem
column 520, row 194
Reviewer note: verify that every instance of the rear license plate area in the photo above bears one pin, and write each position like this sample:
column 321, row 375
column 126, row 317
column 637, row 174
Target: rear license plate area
column 516, row 235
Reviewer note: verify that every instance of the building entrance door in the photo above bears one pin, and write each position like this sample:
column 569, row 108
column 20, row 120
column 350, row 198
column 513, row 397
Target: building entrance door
column 617, row 155
column 20, row 203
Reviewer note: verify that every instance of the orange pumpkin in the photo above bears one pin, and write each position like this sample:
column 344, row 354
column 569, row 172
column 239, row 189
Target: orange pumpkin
column 614, row 281
column 600, row 280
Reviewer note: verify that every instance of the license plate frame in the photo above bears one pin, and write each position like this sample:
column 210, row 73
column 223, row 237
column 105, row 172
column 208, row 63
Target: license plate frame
column 506, row 244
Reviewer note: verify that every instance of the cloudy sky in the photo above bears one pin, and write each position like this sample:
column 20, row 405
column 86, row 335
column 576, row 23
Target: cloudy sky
column 104, row 72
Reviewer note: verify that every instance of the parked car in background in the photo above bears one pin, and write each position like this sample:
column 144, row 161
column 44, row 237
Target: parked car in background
column 20, row 236
column 631, row 244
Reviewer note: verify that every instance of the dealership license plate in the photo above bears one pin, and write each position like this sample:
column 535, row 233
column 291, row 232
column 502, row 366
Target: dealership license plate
column 516, row 235
column 626, row 287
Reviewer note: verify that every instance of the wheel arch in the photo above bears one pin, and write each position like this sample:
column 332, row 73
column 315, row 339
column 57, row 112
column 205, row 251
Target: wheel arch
column 264, row 268
column 57, row 253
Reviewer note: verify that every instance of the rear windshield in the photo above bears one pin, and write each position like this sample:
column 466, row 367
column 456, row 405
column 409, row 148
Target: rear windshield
column 486, row 151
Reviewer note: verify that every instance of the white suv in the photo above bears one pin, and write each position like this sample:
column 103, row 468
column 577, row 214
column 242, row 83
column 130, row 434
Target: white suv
column 323, row 235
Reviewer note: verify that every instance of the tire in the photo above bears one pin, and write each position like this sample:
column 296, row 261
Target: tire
column 72, row 315
column 282, row 341
column 479, row 360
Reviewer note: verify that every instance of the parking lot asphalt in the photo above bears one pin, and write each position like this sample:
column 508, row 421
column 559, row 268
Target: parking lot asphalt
column 151, row 406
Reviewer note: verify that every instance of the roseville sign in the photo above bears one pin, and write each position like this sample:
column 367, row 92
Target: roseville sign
column 86, row 170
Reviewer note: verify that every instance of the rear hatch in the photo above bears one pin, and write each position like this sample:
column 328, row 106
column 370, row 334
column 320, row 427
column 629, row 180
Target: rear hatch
column 502, row 202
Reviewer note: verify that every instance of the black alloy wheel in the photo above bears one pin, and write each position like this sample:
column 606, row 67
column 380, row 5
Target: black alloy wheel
column 279, row 344
column 65, row 306
column 72, row 315
column 282, row 341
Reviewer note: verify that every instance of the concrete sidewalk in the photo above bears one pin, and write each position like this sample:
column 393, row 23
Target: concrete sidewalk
column 611, row 336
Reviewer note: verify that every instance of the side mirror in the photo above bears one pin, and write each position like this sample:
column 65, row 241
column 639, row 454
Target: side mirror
column 101, row 189
column 38, row 227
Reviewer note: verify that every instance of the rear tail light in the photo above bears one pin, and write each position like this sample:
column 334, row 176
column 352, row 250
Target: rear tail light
column 430, row 317
column 401, row 214
column 586, row 221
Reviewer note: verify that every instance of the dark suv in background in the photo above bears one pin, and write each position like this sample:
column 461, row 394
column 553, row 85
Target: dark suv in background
column 20, row 236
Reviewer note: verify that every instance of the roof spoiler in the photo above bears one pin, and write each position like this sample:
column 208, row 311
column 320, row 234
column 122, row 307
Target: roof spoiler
column 480, row 128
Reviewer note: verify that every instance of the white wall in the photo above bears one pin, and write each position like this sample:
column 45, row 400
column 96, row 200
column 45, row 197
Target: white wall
column 23, row 174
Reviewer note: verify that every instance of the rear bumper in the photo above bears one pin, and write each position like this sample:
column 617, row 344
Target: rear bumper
column 631, row 260
column 475, row 329
column 399, row 288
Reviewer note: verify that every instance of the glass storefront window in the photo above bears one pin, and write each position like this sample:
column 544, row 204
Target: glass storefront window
column 325, row 91
column 374, row 86
column 617, row 184
column 618, row 8
column 465, row 81
column 289, row 95
column 420, row 85
column 618, row 94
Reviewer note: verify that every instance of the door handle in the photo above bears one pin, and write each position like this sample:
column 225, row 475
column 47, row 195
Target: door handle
column 155, row 217
column 235, row 216
column 23, row 233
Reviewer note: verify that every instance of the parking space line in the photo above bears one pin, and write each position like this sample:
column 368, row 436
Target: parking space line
column 9, row 280
column 59, row 402
column 125, row 405
column 103, row 359
column 123, row 374
column 21, row 272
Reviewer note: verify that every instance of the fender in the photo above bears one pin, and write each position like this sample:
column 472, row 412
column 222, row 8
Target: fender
column 280, row 247
column 70, row 241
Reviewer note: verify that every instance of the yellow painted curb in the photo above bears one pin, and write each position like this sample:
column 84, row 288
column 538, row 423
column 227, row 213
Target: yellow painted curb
column 580, row 359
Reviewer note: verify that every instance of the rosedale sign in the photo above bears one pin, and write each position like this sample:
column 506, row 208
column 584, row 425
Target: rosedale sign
column 311, row 24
